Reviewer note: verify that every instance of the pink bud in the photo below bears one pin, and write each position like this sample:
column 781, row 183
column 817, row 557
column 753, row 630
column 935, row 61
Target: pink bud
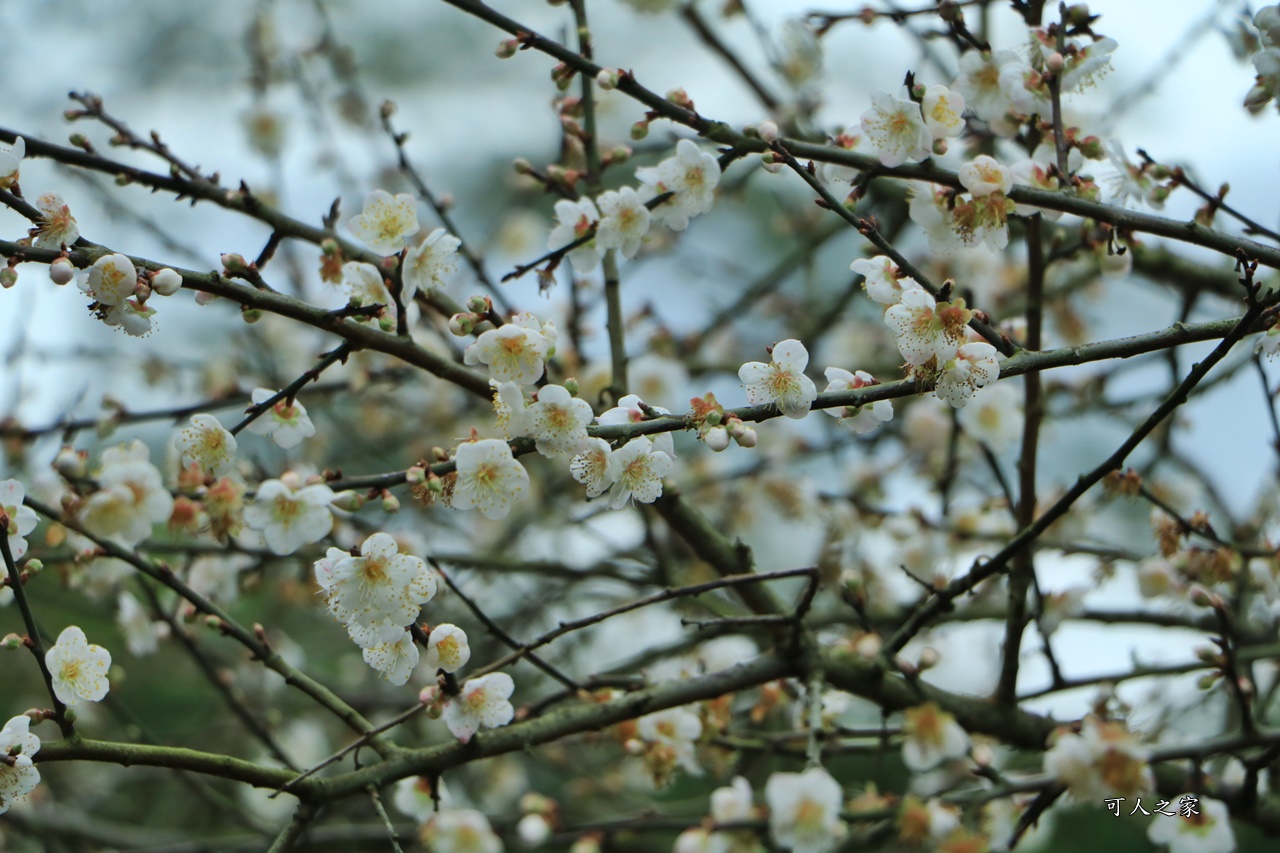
column 61, row 271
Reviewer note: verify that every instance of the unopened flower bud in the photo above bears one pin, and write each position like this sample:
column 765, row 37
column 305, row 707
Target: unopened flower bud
column 348, row 500
column 586, row 844
column 680, row 98
column 571, row 385
column 929, row 658
column 619, row 155
column 607, row 79
column 507, row 49
column 166, row 282
column 387, row 324
column 387, row 108
column 768, row 130
column 251, row 315
column 8, row 277
column 462, row 325
column 533, row 830
column 1200, row 596
column 939, row 147
column 714, row 418
column 522, row 166
column 79, row 140
column 747, row 439
column 329, row 246
column 415, row 475
column 12, row 641
column 1091, row 148
column 33, row 566
column 1054, row 62
column 479, row 304
column 62, row 271
column 717, row 438
column 390, row 503
column 233, row 263
column 634, row 746
column 213, row 622
column 640, row 129
column 71, row 463
column 1206, row 681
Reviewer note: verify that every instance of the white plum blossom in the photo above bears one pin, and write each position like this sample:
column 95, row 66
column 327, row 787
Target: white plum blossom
column 166, row 282
column 288, row 520
column 131, row 496
column 995, row 416
column 57, row 225
column 208, row 444
column 482, row 701
column 1104, row 760
column 804, row 810
column 510, row 407
column 514, row 352
column 286, row 422
column 675, row 728
column 932, row 736
column 22, row 519
column 395, row 659
column 447, row 648
column 1025, row 88
column 386, row 222
column 983, row 175
column 489, row 478
column 575, row 220
column 377, row 593
column 461, row 831
column 979, row 83
column 1087, row 65
column 799, row 52
column 413, row 796
column 558, row 421
column 860, row 419
column 692, row 175
column 77, row 669
column 974, row 366
column 897, row 129
column 112, row 279
column 20, row 776
column 632, row 410
column 882, row 279
column 533, row 830
column 1034, row 172
column 918, row 324
column 943, row 111
column 131, row 317
column 636, row 470
column 427, row 265
column 781, row 382
column 1202, row 825
column 11, row 162
column 733, row 802
column 141, row 634
column 365, row 286
column 931, row 209
column 624, row 220
column 591, row 466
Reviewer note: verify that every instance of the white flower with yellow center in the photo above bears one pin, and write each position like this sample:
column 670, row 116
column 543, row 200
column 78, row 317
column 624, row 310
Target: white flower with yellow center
column 19, row 777
column 932, row 737
column 782, row 382
column 489, row 478
column 131, row 496
column 983, row 175
column 365, row 286
column 559, row 421
column 676, row 728
column 513, row 353
column 1105, row 760
column 918, row 325
column 975, row 365
column 395, row 659
column 804, row 810
column 286, row 422
column 112, row 279
column 636, row 470
column 575, row 220
column 591, row 467
column 427, row 265
column 897, row 129
column 447, row 648
column 77, row 669
column 289, row 520
column 207, row 444
column 943, row 111
column 691, row 174
column 624, row 221
column 57, row 225
column 481, row 702
column 386, row 222
column 377, row 593
column 22, row 519
column 1201, row 825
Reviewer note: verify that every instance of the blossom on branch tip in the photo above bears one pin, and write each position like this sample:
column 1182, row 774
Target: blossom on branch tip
column 208, row 444
column 575, row 220
column 19, row 776
column 386, row 222
column 804, row 810
column 427, row 265
column 57, row 225
column 447, row 648
column 558, row 421
column 489, row 478
column 483, row 702
column 636, row 470
column 624, row 221
column 21, row 519
column 288, row 520
column 781, row 382
column 859, row 419
column 78, row 670
column 287, row 423
column 897, row 129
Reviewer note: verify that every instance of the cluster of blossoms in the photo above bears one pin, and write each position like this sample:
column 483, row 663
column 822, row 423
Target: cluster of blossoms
column 1104, row 760
column 120, row 294
column 621, row 218
column 1267, row 60
column 386, row 225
